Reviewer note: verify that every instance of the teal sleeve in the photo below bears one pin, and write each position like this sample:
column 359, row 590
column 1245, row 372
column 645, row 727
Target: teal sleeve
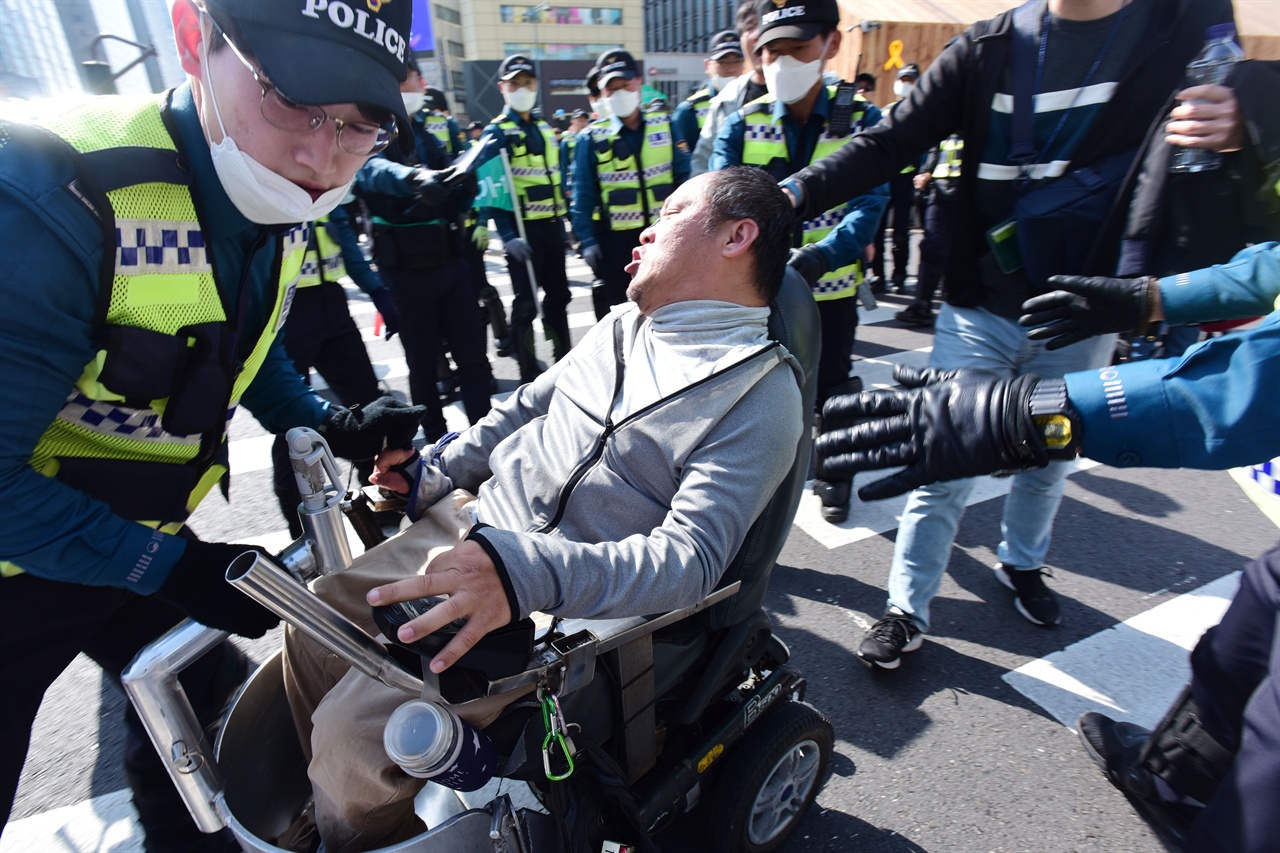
column 1245, row 286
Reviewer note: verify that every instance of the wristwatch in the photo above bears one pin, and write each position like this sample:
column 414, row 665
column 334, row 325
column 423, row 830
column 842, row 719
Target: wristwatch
column 1058, row 420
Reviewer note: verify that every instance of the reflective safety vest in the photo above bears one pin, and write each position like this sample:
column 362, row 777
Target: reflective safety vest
column 764, row 144
column 632, row 189
column 323, row 259
column 536, row 176
column 701, row 102
column 437, row 125
column 950, row 154
column 144, row 427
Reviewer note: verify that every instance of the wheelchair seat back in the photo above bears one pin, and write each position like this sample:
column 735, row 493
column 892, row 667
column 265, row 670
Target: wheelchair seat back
column 793, row 322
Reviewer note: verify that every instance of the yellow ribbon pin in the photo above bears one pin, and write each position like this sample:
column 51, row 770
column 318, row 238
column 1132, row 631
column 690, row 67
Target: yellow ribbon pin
column 895, row 55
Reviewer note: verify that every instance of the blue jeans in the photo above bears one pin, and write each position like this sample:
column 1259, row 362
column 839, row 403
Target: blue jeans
column 974, row 338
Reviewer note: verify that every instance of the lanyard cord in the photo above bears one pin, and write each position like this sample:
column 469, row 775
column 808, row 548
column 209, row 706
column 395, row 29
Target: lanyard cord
column 1097, row 61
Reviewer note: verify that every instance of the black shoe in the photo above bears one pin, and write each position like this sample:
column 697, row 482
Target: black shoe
column 834, row 498
column 915, row 315
column 1116, row 747
column 899, row 284
column 889, row 639
column 1035, row 601
column 877, row 284
column 504, row 347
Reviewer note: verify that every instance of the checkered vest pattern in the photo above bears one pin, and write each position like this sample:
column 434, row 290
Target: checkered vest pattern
column 323, row 259
column 632, row 189
column 533, row 173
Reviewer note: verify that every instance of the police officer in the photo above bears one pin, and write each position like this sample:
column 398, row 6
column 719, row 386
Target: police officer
column 420, row 245
column 624, row 168
column 321, row 334
column 534, row 158
column 152, row 247
column 440, row 123
column 801, row 120
column 578, row 122
column 723, row 65
column 938, row 179
column 901, row 202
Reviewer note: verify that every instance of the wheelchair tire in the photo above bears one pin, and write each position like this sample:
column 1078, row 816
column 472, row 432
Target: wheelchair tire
column 769, row 781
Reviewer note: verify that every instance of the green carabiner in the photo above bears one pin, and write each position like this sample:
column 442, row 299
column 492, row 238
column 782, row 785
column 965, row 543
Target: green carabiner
column 554, row 724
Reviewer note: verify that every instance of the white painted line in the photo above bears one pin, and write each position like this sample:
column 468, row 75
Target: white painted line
column 106, row 823
column 1131, row 671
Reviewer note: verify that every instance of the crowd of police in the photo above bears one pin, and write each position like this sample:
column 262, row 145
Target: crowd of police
column 412, row 232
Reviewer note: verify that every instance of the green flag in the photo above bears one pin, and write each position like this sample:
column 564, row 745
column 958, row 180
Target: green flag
column 493, row 186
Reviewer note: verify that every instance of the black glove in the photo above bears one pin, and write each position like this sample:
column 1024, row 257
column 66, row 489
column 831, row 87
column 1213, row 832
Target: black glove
column 385, row 301
column 944, row 425
column 463, row 185
column 198, row 587
column 1084, row 307
column 432, row 186
column 810, row 262
column 362, row 432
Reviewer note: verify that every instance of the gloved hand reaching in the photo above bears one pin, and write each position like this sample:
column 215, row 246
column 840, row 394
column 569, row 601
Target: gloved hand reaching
column 363, row 432
column 518, row 249
column 480, row 237
column 431, row 185
column 1083, row 307
column 811, row 262
column 385, row 301
column 198, row 587
column 943, row 425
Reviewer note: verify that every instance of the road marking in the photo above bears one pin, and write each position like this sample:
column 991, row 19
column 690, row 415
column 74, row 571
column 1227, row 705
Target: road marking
column 103, row 823
column 1131, row 671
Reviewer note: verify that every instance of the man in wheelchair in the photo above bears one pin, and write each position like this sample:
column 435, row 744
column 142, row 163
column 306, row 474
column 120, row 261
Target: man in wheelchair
column 621, row 482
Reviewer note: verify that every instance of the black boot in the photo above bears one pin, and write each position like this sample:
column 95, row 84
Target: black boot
column 1179, row 751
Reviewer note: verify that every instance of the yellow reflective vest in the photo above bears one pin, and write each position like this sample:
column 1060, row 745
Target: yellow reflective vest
column 161, row 292
column 632, row 188
column 323, row 259
column 950, row 155
column 764, row 144
column 701, row 102
column 536, row 176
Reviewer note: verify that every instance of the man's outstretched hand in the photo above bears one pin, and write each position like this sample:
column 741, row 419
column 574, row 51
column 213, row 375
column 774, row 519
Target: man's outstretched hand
column 1082, row 307
column 468, row 576
column 942, row 425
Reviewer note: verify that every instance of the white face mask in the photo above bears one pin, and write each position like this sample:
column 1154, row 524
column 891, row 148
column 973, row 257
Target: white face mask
column 789, row 79
column 622, row 103
column 413, row 101
column 521, row 100
column 902, row 88
column 261, row 195
column 718, row 83
column 601, row 107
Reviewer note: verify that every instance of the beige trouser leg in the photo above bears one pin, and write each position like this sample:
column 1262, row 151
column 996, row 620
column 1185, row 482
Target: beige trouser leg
column 363, row 800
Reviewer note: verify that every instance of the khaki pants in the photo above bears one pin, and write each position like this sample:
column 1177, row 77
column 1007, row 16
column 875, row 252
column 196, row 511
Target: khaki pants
column 364, row 800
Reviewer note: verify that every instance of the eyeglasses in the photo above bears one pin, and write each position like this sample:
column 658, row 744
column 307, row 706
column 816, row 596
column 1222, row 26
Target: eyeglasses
column 360, row 138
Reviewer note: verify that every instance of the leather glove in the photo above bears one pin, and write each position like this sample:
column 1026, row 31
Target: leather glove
column 593, row 256
column 431, row 185
column 518, row 249
column 463, row 186
column 385, row 301
column 811, row 262
column 480, row 237
column 198, row 587
column 1083, row 307
column 943, row 425
column 363, row 432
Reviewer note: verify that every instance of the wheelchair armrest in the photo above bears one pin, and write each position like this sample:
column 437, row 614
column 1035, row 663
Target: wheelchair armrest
column 569, row 655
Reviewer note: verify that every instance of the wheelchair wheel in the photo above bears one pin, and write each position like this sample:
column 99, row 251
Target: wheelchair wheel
column 768, row 783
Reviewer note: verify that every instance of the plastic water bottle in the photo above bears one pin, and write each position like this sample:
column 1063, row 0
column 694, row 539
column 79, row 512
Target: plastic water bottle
column 430, row 741
column 1211, row 67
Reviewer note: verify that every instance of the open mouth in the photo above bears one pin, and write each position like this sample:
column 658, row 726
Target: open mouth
column 630, row 269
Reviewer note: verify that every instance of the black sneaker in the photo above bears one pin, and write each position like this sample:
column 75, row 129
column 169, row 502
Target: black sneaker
column 915, row 314
column 1035, row 601
column 889, row 638
column 1116, row 747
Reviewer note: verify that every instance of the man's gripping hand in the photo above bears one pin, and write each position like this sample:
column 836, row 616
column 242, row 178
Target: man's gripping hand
column 468, row 576
column 942, row 425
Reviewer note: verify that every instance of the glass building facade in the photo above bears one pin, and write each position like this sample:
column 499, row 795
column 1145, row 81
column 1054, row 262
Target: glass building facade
column 685, row 26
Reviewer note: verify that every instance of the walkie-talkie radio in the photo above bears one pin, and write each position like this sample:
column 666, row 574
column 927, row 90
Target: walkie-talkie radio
column 842, row 109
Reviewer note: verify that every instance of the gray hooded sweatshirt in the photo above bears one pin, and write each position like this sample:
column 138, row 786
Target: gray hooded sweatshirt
column 604, row 493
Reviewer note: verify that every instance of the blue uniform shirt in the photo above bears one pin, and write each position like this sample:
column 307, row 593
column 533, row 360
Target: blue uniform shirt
column 857, row 228
column 49, row 290
column 586, row 188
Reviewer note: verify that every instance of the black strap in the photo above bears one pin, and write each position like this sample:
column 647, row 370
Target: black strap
column 1022, row 67
column 113, row 168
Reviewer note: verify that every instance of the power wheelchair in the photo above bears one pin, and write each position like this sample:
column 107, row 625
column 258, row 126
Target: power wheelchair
column 694, row 708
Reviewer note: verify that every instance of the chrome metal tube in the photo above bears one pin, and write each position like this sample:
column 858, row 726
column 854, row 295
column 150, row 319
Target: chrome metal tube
column 273, row 588
column 319, row 485
column 151, row 682
column 328, row 537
